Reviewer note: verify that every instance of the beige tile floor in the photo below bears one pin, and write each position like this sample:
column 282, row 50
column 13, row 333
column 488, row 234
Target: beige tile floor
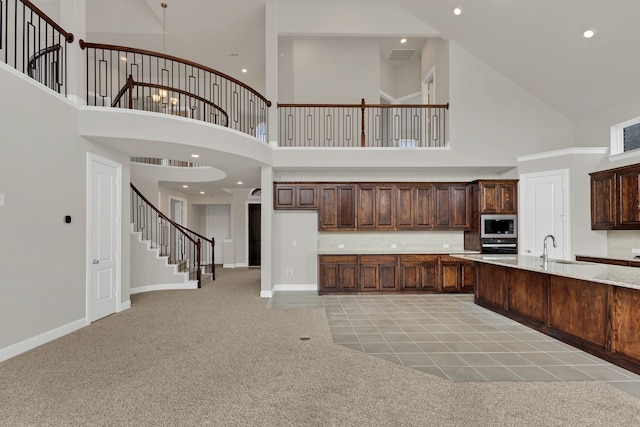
column 451, row 337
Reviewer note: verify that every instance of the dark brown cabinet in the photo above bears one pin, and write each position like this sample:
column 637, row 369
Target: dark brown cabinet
column 295, row 196
column 628, row 197
column 392, row 273
column 456, row 275
column 615, row 199
column 452, row 207
column 603, row 204
column 337, row 210
column 498, row 197
column 419, row 272
column 338, row 273
column 414, row 207
column 378, row 273
column 376, row 208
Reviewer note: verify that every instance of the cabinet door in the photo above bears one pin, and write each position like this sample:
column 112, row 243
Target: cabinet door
column 368, row 277
column 453, row 207
column 346, row 206
column 384, row 208
column 388, row 276
column 348, row 275
column 424, row 213
column 628, row 198
column 338, row 273
column 603, row 208
column 329, row 277
column 468, row 277
column 419, row 272
column 508, row 197
column 328, row 210
column 366, row 207
column 284, row 196
column 450, row 276
column 489, row 197
column 307, row 197
column 406, row 198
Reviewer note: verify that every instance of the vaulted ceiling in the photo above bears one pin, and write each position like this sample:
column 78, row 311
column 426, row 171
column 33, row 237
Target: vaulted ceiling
column 538, row 44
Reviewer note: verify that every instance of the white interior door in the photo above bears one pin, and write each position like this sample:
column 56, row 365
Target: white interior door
column 104, row 228
column 544, row 210
column 219, row 227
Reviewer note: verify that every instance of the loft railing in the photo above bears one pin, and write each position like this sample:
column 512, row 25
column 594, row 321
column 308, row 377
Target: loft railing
column 166, row 162
column 182, row 246
column 34, row 44
column 362, row 125
column 134, row 78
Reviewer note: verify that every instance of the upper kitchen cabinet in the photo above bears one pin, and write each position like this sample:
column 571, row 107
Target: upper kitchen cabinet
column 337, row 210
column 452, row 206
column 603, row 204
column 615, row 199
column 498, row 197
column 376, row 207
column 295, row 196
column 414, row 207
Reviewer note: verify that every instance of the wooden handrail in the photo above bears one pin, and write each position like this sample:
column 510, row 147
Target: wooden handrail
column 38, row 55
column 85, row 45
column 446, row 106
column 163, row 216
column 68, row 36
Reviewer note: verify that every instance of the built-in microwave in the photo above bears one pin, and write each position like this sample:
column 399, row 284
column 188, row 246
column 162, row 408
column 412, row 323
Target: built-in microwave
column 498, row 226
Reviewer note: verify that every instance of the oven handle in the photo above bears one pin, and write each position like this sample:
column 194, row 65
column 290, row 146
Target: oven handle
column 498, row 245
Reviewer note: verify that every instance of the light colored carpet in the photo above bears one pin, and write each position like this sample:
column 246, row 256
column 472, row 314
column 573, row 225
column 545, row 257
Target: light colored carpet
column 216, row 356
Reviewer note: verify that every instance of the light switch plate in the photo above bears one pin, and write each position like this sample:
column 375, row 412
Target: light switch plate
column 1, row 199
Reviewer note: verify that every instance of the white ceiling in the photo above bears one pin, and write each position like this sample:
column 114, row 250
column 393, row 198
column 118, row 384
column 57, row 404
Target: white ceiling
column 536, row 43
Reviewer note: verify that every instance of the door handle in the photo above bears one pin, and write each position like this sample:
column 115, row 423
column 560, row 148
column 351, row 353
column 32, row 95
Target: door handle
column 96, row 261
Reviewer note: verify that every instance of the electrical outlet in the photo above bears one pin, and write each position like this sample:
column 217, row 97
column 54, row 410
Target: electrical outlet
column 635, row 251
column 288, row 271
column 340, row 246
column 445, row 245
column 394, row 246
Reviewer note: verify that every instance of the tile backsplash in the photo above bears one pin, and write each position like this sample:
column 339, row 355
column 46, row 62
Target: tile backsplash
column 383, row 241
column 620, row 243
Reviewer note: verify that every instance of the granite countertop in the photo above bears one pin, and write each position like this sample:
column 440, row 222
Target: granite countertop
column 628, row 277
column 395, row 251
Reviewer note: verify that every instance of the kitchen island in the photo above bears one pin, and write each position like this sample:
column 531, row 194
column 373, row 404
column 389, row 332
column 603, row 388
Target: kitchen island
column 595, row 307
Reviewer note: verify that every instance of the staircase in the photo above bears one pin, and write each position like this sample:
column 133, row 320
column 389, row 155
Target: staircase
column 164, row 254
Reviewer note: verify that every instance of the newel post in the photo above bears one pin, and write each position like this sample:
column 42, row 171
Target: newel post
column 130, row 85
column 362, row 135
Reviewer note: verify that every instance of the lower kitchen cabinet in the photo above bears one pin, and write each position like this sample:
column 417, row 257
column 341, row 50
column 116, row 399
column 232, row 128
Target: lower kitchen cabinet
column 378, row 273
column 419, row 272
column 393, row 273
column 338, row 273
column 456, row 275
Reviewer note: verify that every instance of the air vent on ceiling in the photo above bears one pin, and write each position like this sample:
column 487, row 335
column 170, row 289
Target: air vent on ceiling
column 402, row 55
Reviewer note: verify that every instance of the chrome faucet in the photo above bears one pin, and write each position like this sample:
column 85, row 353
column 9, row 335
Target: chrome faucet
column 545, row 254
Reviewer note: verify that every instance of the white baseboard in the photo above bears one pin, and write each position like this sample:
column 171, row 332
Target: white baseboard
column 266, row 294
column 125, row 305
column 238, row 265
column 192, row 284
column 292, row 287
column 33, row 342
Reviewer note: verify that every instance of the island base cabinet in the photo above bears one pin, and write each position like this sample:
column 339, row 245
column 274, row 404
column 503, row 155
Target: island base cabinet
column 625, row 322
column 579, row 308
column 527, row 296
column 490, row 287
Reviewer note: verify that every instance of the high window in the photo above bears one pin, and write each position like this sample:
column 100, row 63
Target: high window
column 625, row 136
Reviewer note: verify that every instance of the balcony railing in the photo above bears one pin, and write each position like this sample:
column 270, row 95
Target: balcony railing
column 127, row 77
column 362, row 125
column 34, row 44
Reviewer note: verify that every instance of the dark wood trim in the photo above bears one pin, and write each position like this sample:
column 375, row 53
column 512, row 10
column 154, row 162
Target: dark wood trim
column 362, row 105
column 68, row 36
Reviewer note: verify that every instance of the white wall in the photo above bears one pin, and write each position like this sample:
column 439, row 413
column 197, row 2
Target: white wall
column 435, row 54
column 295, row 247
column 336, row 70
column 593, row 131
column 493, row 119
column 43, row 174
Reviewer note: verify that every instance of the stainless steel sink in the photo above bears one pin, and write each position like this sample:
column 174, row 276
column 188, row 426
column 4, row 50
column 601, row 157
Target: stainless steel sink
column 566, row 261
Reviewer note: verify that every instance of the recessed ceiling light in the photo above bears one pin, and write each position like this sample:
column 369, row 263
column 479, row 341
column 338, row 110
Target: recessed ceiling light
column 403, row 41
column 239, row 182
column 185, row 186
column 195, row 156
column 202, row 192
column 588, row 34
column 244, row 70
column 457, row 11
